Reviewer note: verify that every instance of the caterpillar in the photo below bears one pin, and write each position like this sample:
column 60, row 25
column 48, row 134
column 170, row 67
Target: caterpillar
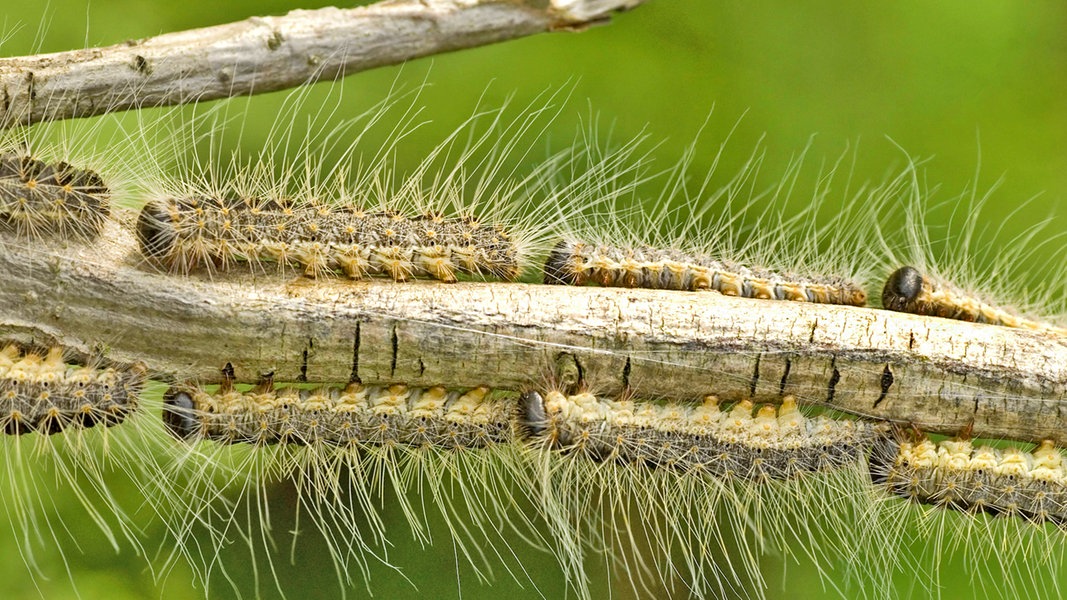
column 578, row 263
column 466, row 209
column 957, row 474
column 380, row 415
column 999, row 508
column 56, row 198
column 42, row 392
column 981, row 276
column 908, row 290
column 352, row 444
column 63, row 182
column 615, row 474
column 188, row 232
column 777, row 443
column 695, row 237
column 80, row 436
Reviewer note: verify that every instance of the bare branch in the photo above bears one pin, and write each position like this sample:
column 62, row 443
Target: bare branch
column 264, row 54
column 939, row 374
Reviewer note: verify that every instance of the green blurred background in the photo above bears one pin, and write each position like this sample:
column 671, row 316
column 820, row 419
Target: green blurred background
column 951, row 80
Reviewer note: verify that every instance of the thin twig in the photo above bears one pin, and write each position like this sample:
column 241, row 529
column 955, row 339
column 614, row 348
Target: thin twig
column 940, row 374
column 264, row 54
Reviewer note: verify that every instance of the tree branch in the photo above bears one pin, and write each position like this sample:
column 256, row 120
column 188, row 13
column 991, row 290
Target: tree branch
column 264, row 54
column 940, row 374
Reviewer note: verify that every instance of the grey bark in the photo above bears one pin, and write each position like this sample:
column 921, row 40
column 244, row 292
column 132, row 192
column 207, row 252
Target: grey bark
column 264, row 54
column 939, row 374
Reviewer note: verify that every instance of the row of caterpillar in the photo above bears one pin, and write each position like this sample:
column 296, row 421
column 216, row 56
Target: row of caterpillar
column 191, row 232
column 906, row 289
column 775, row 442
column 186, row 233
column 325, row 238
column 358, row 217
column 496, row 437
column 743, row 442
column 37, row 198
column 588, row 445
column 705, row 442
column 42, row 392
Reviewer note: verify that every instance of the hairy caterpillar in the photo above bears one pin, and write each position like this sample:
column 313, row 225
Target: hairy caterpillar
column 972, row 478
column 979, row 276
column 322, row 239
column 660, row 249
column 43, row 393
column 85, row 438
column 466, row 209
column 57, row 198
column 344, row 449
column 776, row 443
column 614, row 475
column 59, row 182
column 356, row 414
column 998, row 509
column 908, row 290
column 576, row 263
